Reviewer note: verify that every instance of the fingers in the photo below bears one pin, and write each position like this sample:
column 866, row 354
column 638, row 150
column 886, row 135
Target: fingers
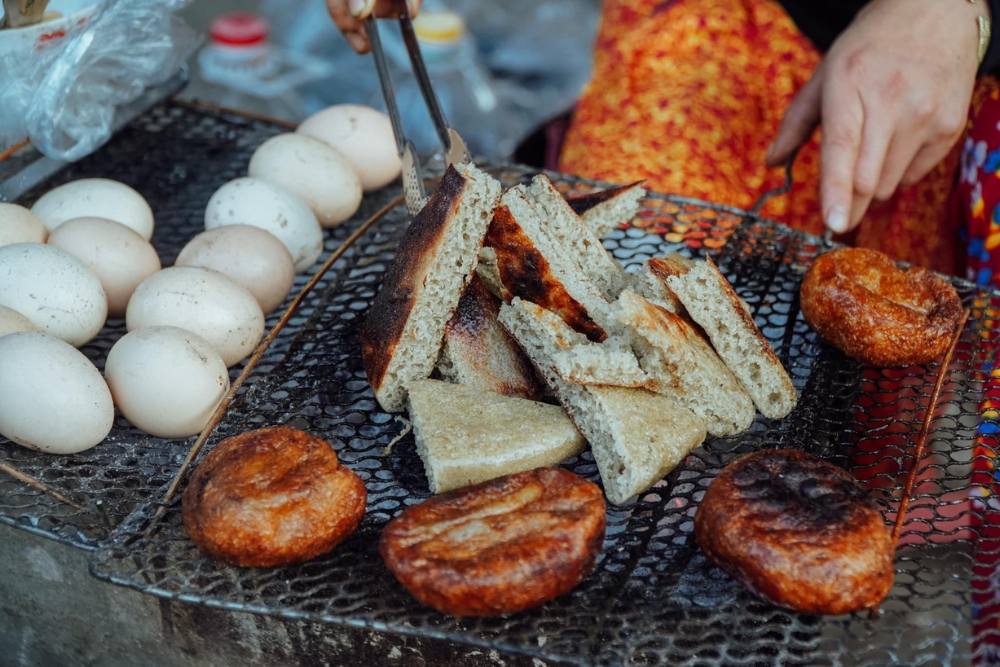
column 799, row 122
column 348, row 15
column 843, row 122
column 875, row 137
column 925, row 160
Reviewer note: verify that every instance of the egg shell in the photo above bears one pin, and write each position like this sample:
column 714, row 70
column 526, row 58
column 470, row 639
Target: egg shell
column 166, row 381
column 120, row 258
column 203, row 302
column 251, row 201
column 249, row 256
column 54, row 290
column 20, row 225
column 12, row 321
column 309, row 168
column 97, row 198
column 52, row 398
column 361, row 134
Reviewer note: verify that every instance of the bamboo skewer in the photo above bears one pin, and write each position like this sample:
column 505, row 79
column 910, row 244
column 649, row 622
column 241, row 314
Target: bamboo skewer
column 261, row 349
column 918, row 452
column 904, row 502
column 34, row 483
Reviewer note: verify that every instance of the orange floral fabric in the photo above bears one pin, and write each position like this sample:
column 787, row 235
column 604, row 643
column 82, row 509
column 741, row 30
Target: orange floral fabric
column 688, row 94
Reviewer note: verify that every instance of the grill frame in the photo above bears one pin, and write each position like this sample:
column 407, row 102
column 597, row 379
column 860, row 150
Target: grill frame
column 656, row 600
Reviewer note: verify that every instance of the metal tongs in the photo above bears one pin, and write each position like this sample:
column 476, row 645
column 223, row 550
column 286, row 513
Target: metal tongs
column 455, row 150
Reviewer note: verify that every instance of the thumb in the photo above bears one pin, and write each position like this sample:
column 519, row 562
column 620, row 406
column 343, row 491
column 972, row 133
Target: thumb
column 799, row 122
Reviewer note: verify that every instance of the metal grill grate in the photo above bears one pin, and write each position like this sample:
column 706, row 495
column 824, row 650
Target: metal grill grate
column 653, row 598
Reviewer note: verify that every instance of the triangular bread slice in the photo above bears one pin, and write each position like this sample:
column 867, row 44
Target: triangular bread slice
column 646, row 284
column 489, row 272
column 402, row 334
column 636, row 436
column 582, row 361
column 465, row 436
column 479, row 353
column 603, row 211
column 685, row 366
column 712, row 302
column 533, row 266
column 574, row 235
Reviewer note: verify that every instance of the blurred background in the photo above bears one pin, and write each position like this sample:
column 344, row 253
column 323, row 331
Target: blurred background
column 500, row 69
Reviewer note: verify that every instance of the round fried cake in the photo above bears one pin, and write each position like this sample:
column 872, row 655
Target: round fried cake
column 884, row 316
column 272, row 497
column 498, row 547
column 798, row 531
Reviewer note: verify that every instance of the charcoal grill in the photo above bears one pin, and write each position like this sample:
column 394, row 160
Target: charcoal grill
column 653, row 599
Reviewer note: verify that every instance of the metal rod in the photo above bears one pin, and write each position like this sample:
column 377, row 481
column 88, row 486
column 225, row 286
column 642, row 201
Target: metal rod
column 424, row 81
column 783, row 189
column 262, row 347
column 41, row 486
column 385, row 81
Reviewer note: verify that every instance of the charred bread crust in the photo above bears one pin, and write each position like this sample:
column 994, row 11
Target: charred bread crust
column 881, row 315
column 797, row 530
column 475, row 340
column 383, row 327
column 272, row 496
column 533, row 536
column 526, row 273
column 583, row 203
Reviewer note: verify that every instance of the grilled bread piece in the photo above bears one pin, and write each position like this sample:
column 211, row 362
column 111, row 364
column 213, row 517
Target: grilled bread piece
column 533, row 266
column 636, row 436
column 478, row 352
column 489, row 272
column 604, row 210
column 465, row 436
column 270, row 497
column 647, row 284
column 685, row 366
column 799, row 531
column 567, row 229
column 498, row 547
column 402, row 334
column 713, row 303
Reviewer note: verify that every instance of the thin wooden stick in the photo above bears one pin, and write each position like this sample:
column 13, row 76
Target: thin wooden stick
column 262, row 347
column 904, row 502
column 7, row 152
column 41, row 486
column 918, row 453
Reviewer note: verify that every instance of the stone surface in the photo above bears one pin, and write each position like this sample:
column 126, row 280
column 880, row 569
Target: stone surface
column 53, row 613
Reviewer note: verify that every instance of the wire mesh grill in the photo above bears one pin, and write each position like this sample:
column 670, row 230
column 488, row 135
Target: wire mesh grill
column 653, row 598
column 176, row 157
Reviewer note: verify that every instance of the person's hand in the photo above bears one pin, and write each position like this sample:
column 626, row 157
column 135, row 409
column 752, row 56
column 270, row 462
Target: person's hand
column 349, row 15
column 892, row 97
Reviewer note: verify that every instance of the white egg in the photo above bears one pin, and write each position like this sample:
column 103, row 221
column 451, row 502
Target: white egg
column 165, row 380
column 19, row 225
column 51, row 397
column 203, row 302
column 97, row 198
column 362, row 135
column 54, row 290
column 12, row 321
column 249, row 256
column 251, row 201
column 314, row 171
column 120, row 258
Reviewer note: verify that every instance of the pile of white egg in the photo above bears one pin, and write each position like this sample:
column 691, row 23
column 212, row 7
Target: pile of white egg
column 82, row 254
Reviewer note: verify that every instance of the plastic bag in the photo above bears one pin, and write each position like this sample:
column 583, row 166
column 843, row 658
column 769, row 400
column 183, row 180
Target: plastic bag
column 63, row 98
